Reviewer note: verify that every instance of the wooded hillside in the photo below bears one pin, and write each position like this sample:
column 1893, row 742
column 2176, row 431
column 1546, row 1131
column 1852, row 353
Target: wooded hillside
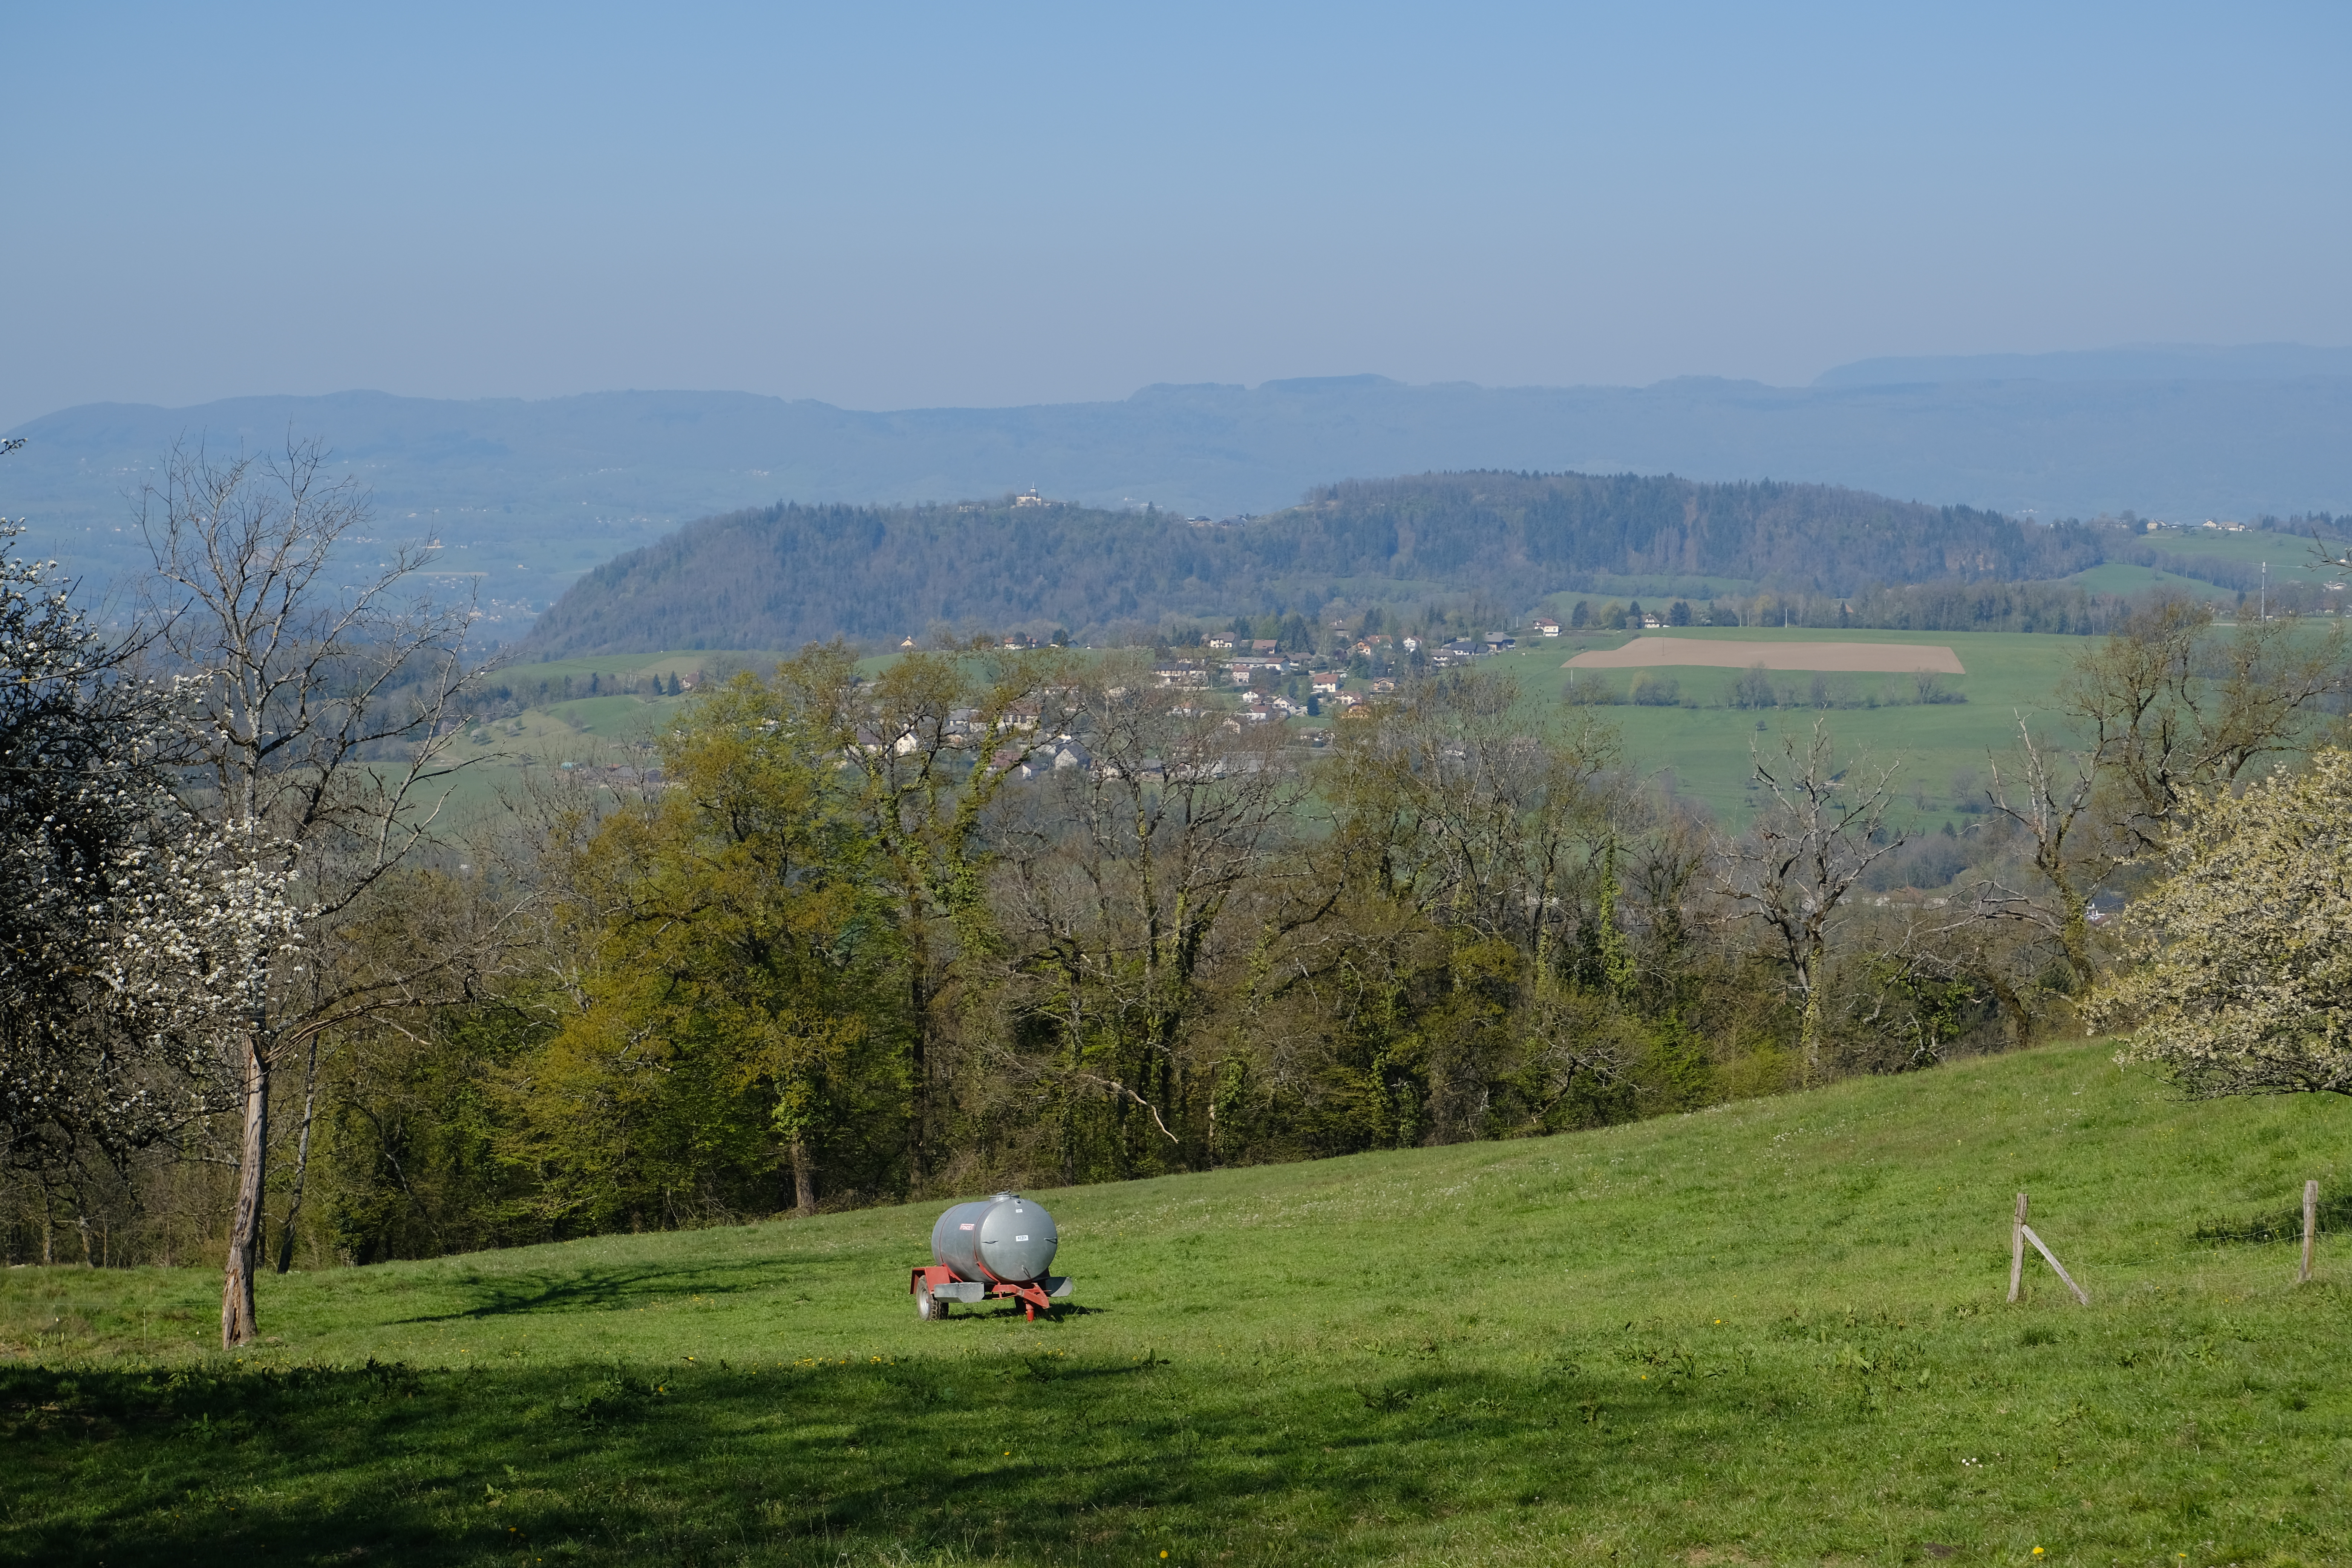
column 783, row 575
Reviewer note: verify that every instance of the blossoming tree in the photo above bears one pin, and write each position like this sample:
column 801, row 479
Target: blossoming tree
column 323, row 686
column 2240, row 979
column 129, row 933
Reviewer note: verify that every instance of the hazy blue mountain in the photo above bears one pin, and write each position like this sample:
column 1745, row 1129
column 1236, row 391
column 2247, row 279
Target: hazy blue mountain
column 527, row 495
column 2140, row 361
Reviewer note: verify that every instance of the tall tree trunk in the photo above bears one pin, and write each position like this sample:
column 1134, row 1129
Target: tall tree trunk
column 239, row 1324
column 804, row 1177
column 1810, row 1029
column 302, row 1159
column 2015, row 1025
column 919, row 1067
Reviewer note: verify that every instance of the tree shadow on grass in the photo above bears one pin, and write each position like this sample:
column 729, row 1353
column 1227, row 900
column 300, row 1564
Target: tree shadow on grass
column 1024, row 1455
column 592, row 1290
column 1042, row 1450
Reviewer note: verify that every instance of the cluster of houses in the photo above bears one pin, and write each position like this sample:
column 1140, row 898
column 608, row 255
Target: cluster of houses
column 1461, row 650
column 1246, row 663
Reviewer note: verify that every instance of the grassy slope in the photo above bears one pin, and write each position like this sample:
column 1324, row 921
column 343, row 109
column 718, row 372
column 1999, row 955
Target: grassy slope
column 2114, row 577
column 1769, row 1332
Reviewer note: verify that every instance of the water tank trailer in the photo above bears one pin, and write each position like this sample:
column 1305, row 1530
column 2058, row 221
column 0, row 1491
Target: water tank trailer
column 998, row 1247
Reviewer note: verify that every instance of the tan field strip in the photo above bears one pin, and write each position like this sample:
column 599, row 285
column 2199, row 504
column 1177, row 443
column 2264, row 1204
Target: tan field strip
column 1650, row 653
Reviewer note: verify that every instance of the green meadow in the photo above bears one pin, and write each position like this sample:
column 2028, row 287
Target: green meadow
column 1770, row 1332
column 1708, row 743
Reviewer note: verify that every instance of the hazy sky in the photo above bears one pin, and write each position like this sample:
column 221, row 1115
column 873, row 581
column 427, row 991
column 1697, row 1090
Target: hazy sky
column 894, row 206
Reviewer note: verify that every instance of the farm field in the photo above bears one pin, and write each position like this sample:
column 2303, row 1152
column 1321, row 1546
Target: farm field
column 588, row 732
column 1772, row 1333
column 1707, row 746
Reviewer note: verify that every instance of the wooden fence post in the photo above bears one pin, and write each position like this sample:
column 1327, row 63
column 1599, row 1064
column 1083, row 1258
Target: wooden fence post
column 2017, row 1248
column 2310, row 1227
column 2050, row 1258
column 2019, row 1233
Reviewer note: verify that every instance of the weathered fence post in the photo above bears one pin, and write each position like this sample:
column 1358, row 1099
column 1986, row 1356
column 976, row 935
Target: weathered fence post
column 2019, row 1233
column 2050, row 1258
column 2310, row 1229
column 2017, row 1248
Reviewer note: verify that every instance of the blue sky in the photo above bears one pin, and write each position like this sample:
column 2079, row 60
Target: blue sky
column 899, row 206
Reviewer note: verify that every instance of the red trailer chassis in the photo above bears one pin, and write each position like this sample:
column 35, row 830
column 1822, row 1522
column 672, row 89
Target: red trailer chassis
column 935, row 1286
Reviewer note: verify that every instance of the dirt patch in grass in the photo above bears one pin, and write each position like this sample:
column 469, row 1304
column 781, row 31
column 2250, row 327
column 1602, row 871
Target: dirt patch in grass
column 1652, row 653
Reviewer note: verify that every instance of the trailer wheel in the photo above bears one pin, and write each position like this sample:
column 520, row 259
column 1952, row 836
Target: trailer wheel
column 930, row 1308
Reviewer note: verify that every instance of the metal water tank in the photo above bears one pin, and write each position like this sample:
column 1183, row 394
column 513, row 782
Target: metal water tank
column 1007, row 1239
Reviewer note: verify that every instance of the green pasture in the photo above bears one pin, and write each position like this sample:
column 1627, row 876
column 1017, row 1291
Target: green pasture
column 1772, row 1333
column 2286, row 553
column 2114, row 577
column 2289, row 556
column 1706, row 741
column 586, row 731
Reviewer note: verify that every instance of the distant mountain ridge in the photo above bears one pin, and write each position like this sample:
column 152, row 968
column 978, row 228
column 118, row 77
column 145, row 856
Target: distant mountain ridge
column 2138, row 361
column 529, row 495
column 779, row 576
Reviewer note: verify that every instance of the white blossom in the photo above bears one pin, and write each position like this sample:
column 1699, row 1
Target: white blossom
column 2241, row 974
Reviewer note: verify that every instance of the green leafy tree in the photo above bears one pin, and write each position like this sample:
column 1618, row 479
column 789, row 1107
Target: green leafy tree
column 735, row 942
column 928, row 747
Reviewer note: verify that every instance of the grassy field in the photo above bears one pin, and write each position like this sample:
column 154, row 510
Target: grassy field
column 2009, row 673
column 2289, row 556
column 1772, row 1333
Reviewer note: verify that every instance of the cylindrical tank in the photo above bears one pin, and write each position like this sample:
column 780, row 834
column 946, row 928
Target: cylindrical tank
column 1006, row 1240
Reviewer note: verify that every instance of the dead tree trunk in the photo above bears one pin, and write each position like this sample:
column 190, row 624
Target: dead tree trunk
column 302, row 1159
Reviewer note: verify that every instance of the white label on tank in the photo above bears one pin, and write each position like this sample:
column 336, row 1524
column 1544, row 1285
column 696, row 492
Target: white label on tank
column 964, row 1227
column 1020, row 1238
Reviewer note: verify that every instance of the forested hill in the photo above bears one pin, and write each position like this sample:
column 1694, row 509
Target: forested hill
column 785, row 575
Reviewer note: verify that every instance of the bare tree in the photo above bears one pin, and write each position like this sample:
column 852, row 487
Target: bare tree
column 326, row 688
column 2167, row 710
column 2162, row 709
column 1796, row 866
column 2050, row 795
column 1157, row 829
